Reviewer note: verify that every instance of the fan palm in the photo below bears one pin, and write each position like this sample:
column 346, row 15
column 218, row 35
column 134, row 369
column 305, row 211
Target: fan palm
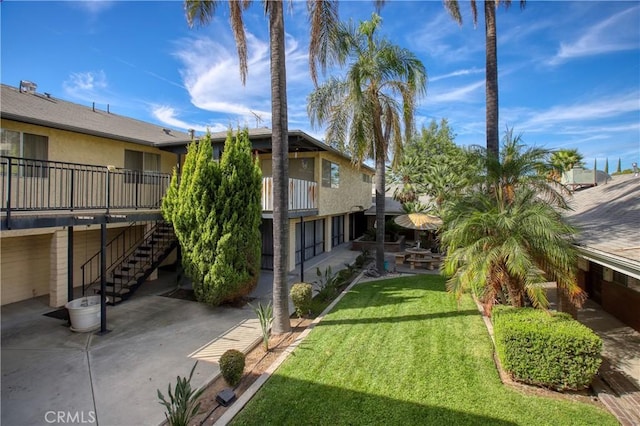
column 322, row 16
column 506, row 236
column 564, row 160
column 362, row 109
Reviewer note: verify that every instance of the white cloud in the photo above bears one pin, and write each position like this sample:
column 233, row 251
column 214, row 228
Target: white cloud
column 614, row 34
column 461, row 94
column 93, row 7
column 607, row 107
column 457, row 73
column 86, row 85
column 168, row 115
column 211, row 76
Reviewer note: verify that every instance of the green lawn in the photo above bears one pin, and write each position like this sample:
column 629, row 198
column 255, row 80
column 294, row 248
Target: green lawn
column 401, row 352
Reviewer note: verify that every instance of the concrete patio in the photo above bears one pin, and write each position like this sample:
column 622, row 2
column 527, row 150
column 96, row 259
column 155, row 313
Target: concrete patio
column 49, row 371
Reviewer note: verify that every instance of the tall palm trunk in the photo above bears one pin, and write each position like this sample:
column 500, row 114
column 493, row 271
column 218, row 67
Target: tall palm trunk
column 380, row 192
column 492, row 78
column 280, row 164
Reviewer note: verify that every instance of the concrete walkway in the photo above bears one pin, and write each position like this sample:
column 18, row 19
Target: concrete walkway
column 53, row 375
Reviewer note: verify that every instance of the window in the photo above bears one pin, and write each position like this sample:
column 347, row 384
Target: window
column 366, row 178
column 330, row 174
column 138, row 161
column 34, row 149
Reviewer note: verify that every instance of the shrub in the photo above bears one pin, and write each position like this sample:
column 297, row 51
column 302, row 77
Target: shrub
column 301, row 294
column 182, row 405
column 546, row 349
column 232, row 366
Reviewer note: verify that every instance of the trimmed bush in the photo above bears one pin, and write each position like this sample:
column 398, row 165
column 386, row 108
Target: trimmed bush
column 301, row 295
column 232, row 366
column 545, row 348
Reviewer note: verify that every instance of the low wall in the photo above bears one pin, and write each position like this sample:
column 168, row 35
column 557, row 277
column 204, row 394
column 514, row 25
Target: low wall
column 392, row 247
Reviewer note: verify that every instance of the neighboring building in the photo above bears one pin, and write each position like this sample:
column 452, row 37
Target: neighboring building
column 582, row 178
column 608, row 217
column 75, row 179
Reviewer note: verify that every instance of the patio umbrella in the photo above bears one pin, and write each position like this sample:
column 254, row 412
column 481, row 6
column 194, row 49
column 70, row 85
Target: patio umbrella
column 418, row 221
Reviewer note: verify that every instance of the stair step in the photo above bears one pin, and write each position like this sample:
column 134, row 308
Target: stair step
column 144, row 248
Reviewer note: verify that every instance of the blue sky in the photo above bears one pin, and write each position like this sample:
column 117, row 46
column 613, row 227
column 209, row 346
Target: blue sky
column 569, row 72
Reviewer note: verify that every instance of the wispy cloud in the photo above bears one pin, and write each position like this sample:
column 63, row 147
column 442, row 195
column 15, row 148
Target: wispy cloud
column 87, row 86
column 213, row 81
column 168, row 115
column 457, row 73
column 606, row 107
column 93, row 7
column 617, row 33
column 465, row 93
column 440, row 37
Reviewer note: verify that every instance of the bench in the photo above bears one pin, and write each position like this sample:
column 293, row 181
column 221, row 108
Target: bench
column 401, row 258
column 427, row 261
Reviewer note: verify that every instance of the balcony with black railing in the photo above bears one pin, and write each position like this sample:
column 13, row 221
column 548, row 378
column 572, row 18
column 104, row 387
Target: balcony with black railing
column 39, row 193
column 34, row 187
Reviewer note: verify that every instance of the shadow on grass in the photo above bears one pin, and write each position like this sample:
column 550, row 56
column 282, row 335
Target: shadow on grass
column 397, row 319
column 290, row 401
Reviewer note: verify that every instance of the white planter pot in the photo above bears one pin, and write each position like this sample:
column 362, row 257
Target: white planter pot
column 84, row 313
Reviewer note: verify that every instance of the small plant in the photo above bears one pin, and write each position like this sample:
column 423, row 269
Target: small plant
column 327, row 283
column 232, row 366
column 265, row 316
column 301, row 295
column 362, row 259
column 182, row 406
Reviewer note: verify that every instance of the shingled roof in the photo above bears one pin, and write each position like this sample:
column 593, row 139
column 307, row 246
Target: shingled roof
column 608, row 217
column 45, row 110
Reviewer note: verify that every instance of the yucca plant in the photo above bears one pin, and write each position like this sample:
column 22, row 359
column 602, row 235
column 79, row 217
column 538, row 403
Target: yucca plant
column 182, row 405
column 265, row 316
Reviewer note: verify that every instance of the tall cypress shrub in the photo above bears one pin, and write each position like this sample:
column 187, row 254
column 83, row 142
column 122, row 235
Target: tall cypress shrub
column 216, row 212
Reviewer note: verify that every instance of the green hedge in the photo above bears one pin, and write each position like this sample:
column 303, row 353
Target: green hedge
column 546, row 348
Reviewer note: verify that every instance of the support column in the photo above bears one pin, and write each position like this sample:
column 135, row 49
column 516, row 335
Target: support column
column 103, row 279
column 302, row 249
column 58, row 272
column 328, row 233
column 70, row 263
column 292, row 245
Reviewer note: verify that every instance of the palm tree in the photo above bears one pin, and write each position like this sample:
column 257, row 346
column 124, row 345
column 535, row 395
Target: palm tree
column 506, row 235
column 453, row 8
column 322, row 15
column 564, row 160
column 362, row 109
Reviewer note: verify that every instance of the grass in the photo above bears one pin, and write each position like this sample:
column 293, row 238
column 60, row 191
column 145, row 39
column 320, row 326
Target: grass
column 402, row 352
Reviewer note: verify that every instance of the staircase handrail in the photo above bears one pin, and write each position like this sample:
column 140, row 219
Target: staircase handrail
column 94, row 276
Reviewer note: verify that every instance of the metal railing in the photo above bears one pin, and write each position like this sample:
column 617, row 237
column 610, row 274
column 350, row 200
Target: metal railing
column 39, row 185
column 116, row 249
column 137, row 248
column 303, row 194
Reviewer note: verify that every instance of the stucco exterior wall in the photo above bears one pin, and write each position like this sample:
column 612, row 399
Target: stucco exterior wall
column 352, row 192
column 86, row 149
column 24, row 267
column 28, row 258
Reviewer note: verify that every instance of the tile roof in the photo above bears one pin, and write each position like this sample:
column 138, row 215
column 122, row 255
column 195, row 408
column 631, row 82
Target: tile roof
column 608, row 217
column 44, row 110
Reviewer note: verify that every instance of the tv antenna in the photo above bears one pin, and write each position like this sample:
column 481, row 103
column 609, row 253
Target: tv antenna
column 258, row 118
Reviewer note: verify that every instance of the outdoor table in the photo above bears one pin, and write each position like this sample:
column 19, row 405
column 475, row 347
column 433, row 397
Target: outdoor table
column 420, row 255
